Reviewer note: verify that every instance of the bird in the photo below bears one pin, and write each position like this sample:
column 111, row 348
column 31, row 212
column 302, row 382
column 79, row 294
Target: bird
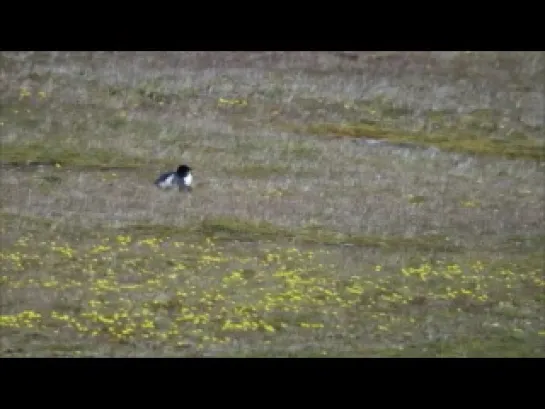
column 182, row 178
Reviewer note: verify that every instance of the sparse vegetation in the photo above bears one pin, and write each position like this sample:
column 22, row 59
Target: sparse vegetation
column 383, row 204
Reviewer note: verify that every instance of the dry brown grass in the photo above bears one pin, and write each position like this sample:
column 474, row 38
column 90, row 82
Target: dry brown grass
column 305, row 216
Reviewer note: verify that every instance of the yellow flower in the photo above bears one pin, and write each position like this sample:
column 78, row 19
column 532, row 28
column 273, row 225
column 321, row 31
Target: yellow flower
column 24, row 93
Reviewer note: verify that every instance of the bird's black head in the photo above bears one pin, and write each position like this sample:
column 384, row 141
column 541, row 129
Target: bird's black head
column 183, row 170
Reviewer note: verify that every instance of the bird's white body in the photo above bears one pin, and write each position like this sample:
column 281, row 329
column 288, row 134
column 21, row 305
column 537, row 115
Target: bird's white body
column 188, row 179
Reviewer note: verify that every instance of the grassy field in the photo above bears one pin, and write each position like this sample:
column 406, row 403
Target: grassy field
column 368, row 204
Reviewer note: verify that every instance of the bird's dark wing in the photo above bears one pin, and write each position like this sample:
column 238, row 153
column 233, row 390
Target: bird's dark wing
column 162, row 178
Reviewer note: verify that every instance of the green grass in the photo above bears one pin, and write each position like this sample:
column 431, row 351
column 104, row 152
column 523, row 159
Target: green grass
column 180, row 293
column 516, row 147
column 297, row 240
column 16, row 154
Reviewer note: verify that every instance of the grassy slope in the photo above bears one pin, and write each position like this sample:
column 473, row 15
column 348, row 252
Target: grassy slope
column 302, row 237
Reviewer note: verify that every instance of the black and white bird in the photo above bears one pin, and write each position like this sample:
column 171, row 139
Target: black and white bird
column 181, row 178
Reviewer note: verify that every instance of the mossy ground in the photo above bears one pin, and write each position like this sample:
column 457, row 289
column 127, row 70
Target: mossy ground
column 292, row 243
